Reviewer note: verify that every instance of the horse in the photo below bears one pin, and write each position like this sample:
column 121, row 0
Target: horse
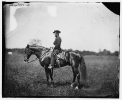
column 73, row 59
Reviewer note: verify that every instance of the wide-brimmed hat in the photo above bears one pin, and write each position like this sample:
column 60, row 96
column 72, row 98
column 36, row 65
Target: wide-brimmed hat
column 57, row 31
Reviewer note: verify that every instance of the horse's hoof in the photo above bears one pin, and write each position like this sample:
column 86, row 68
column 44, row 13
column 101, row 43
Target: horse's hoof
column 76, row 88
column 72, row 85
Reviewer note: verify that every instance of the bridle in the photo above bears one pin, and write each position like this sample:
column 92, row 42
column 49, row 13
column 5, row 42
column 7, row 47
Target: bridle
column 32, row 60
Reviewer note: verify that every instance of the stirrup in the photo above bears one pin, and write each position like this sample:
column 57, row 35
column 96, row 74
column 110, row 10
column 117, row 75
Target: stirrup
column 50, row 67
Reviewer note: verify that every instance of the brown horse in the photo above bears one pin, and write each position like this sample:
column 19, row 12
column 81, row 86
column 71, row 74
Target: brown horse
column 73, row 59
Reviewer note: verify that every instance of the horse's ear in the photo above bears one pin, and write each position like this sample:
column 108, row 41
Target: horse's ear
column 27, row 45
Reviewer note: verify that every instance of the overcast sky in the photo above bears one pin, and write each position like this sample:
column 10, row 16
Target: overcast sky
column 83, row 26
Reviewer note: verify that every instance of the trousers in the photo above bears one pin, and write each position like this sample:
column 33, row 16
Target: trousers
column 53, row 56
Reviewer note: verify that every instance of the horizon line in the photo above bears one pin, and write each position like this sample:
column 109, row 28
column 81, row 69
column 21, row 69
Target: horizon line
column 74, row 50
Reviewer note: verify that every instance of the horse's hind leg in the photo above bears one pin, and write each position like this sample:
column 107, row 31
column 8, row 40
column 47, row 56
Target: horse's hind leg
column 74, row 77
column 76, row 74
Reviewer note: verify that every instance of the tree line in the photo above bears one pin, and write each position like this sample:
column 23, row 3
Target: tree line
column 83, row 53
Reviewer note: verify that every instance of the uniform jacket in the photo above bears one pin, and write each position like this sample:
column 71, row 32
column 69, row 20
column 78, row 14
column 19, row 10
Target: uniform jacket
column 57, row 42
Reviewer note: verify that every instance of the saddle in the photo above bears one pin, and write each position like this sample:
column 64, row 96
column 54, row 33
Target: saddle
column 61, row 55
column 60, row 50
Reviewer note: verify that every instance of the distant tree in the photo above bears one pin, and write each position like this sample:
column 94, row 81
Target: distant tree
column 35, row 42
column 100, row 52
column 106, row 52
column 116, row 53
column 16, row 50
column 70, row 50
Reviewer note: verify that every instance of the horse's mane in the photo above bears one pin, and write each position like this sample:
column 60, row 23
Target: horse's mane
column 37, row 47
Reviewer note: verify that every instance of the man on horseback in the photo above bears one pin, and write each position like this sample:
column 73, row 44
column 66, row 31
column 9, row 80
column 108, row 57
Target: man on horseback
column 56, row 49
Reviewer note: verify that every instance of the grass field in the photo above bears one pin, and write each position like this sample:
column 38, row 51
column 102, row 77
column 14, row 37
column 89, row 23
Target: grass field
column 22, row 79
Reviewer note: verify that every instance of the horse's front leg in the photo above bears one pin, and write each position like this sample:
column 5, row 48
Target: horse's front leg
column 47, row 75
column 51, row 75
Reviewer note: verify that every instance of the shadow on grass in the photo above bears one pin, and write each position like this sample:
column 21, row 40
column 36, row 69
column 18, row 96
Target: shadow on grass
column 13, row 89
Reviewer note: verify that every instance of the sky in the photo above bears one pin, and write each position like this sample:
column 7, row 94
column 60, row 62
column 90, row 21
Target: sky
column 83, row 26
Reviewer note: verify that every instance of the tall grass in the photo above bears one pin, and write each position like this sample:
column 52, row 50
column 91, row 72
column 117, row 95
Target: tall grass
column 28, row 79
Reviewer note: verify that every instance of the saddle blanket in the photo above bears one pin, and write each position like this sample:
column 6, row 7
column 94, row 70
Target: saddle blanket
column 61, row 56
column 48, row 54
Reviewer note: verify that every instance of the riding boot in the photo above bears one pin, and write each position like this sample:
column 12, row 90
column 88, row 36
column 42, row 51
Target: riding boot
column 53, row 58
column 52, row 63
column 51, row 66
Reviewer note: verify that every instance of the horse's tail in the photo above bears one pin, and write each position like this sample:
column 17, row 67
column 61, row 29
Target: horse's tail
column 83, row 69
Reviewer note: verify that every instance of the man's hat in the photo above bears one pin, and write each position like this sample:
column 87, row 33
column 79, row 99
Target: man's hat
column 57, row 31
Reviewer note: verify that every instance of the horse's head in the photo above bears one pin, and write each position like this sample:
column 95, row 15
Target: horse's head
column 36, row 50
column 28, row 53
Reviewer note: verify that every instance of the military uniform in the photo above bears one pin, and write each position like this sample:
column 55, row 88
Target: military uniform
column 56, row 49
column 57, row 43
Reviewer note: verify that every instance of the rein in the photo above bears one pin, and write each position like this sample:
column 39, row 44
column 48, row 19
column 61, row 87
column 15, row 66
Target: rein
column 44, row 54
column 37, row 58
